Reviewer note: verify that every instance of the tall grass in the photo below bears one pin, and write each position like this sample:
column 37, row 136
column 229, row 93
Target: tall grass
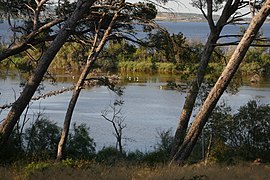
column 91, row 170
column 147, row 66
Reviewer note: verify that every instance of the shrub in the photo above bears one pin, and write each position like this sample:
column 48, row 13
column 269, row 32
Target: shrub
column 109, row 155
column 244, row 135
column 79, row 144
column 42, row 138
column 14, row 148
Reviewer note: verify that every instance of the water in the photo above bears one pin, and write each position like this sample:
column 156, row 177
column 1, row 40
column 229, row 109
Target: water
column 200, row 30
column 147, row 109
column 192, row 30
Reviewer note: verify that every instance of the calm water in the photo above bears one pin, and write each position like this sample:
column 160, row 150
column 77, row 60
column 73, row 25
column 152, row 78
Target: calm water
column 147, row 108
column 200, row 31
column 192, row 30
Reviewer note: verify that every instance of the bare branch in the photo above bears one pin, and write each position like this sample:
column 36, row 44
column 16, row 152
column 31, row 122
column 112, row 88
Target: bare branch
column 29, row 7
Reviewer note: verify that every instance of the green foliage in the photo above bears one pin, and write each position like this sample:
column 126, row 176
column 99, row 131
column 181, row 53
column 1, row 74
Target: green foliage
column 14, row 148
column 172, row 48
column 162, row 151
column 165, row 142
column 15, row 8
column 42, row 138
column 71, row 56
column 65, row 7
column 35, row 166
column 251, row 131
column 257, row 61
column 135, row 157
column 244, row 135
column 155, row 157
column 166, row 67
column 68, row 162
column 160, row 155
column 79, row 144
column 108, row 155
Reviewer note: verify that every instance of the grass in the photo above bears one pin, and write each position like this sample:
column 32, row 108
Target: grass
column 92, row 170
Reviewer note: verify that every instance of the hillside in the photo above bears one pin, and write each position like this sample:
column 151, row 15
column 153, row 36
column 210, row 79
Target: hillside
column 181, row 17
column 189, row 17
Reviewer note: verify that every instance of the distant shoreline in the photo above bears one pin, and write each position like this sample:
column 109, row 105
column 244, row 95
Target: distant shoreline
column 189, row 17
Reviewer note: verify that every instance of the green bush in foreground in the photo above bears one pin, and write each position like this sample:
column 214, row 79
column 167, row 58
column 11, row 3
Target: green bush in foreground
column 244, row 135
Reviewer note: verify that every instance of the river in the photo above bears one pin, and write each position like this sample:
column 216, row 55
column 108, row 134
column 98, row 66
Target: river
column 147, row 109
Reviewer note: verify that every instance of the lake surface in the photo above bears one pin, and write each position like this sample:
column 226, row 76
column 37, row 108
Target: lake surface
column 147, row 109
column 200, row 31
column 192, row 30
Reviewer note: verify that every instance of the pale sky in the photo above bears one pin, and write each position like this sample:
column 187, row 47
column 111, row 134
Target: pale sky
column 182, row 6
column 176, row 5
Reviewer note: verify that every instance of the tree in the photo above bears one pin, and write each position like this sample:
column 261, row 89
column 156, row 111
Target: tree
column 229, row 15
column 80, row 144
column 6, row 127
column 222, row 83
column 117, row 121
column 173, row 47
column 91, row 58
column 141, row 12
column 33, row 29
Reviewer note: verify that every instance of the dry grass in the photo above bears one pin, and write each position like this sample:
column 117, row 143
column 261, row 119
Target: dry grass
column 95, row 171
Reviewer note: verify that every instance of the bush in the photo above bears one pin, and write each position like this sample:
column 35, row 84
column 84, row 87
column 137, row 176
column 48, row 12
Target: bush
column 244, row 135
column 251, row 131
column 14, row 148
column 79, row 144
column 109, row 155
column 42, row 139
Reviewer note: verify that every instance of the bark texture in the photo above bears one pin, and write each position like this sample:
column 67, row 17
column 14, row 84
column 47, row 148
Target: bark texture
column 20, row 104
column 215, row 29
column 201, row 118
column 76, row 92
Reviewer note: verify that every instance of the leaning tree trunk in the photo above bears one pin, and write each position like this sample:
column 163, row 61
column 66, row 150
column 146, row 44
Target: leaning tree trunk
column 193, row 93
column 76, row 92
column 20, row 104
column 201, row 118
column 215, row 30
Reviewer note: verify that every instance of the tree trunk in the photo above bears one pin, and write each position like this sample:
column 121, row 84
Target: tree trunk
column 76, row 92
column 210, row 143
column 201, row 118
column 192, row 94
column 20, row 104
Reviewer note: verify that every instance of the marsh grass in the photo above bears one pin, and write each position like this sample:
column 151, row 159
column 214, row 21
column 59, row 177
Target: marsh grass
column 92, row 170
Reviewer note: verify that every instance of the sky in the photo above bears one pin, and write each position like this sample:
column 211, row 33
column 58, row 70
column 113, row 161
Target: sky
column 182, row 6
